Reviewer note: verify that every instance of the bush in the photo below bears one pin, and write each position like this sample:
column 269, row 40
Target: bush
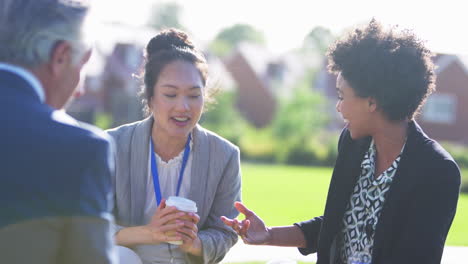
column 295, row 136
column 458, row 152
column 464, row 187
column 300, row 155
column 460, row 155
column 103, row 120
column 318, row 150
column 224, row 119
column 258, row 145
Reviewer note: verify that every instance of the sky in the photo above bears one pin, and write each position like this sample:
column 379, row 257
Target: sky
column 443, row 24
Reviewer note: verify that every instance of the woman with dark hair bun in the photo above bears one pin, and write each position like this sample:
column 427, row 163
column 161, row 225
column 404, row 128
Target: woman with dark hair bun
column 394, row 191
column 169, row 154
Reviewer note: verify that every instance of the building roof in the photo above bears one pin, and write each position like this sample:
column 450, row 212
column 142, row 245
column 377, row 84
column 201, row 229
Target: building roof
column 442, row 61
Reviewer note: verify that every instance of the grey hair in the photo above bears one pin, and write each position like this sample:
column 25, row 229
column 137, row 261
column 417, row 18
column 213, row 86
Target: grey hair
column 30, row 29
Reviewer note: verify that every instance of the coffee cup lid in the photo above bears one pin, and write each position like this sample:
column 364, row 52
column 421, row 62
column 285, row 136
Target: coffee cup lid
column 181, row 203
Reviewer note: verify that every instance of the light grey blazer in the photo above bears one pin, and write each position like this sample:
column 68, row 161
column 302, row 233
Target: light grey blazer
column 215, row 184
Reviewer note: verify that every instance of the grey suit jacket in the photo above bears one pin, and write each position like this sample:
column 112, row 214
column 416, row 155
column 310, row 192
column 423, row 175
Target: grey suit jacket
column 216, row 184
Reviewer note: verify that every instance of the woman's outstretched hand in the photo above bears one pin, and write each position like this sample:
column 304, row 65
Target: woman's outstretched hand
column 252, row 229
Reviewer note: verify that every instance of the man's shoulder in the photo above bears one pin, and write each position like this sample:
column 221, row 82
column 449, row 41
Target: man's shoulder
column 80, row 140
column 94, row 132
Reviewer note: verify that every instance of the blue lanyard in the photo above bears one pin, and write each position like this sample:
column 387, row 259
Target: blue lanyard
column 154, row 170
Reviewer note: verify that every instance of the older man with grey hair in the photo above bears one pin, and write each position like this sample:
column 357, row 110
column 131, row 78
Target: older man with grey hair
column 55, row 184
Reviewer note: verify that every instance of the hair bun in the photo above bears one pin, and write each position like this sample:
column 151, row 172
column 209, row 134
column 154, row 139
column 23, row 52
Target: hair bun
column 169, row 39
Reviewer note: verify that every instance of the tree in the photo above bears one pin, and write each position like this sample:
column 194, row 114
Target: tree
column 298, row 125
column 166, row 15
column 318, row 40
column 223, row 117
column 228, row 38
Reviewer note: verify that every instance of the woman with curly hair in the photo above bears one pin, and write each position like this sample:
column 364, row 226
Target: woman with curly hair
column 394, row 191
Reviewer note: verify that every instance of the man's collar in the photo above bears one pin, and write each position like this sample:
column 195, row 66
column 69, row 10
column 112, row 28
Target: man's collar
column 26, row 75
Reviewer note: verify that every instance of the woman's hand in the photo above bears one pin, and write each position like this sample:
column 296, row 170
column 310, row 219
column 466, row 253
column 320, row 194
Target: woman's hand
column 162, row 228
column 252, row 229
column 189, row 233
column 164, row 224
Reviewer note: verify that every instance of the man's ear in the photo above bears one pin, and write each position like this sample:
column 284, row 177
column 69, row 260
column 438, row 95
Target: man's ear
column 60, row 57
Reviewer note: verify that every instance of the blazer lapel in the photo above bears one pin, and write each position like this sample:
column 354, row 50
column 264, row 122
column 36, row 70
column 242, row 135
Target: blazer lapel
column 346, row 183
column 347, row 170
column 403, row 182
column 138, row 172
column 200, row 162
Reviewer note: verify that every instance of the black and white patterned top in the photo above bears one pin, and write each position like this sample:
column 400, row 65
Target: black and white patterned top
column 364, row 208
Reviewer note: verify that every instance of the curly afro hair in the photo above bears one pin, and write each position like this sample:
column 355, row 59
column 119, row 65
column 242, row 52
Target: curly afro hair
column 392, row 66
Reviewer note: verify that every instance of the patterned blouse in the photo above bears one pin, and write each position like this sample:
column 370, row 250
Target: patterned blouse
column 364, row 208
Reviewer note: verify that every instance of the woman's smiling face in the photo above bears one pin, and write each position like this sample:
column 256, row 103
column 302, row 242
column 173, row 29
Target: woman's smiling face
column 354, row 110
column 177, row 103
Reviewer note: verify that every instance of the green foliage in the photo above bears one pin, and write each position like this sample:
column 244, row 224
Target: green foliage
column 230, row 37
column 318, row 150
column 464, row 182
column 221, row 48
column 318, row 40
column 296, row 135
column 258, row 145
column 165, row 15
column 297, row 119
column 103, row 120
column 298, row 128
column 241, row 32
column 460, row 154
column 224, row 119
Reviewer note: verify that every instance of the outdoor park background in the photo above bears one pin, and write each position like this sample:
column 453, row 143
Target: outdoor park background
column 275, row 99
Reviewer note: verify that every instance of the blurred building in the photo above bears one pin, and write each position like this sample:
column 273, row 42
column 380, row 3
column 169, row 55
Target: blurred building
column 255, row 100
column 262, row 78
column 120, row 84
column 445, row 114
column 110, row 83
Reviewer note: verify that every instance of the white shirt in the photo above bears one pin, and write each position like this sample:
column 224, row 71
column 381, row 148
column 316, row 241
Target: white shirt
column 168, row 177
column 27, row 76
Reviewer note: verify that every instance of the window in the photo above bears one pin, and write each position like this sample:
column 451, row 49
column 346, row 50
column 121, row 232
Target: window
column 440, row 108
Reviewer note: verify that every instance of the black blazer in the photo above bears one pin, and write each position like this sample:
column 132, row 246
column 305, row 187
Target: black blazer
column 418, row 210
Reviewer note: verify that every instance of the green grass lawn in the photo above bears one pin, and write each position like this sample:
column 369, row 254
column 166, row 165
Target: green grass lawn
column 282, row 195
column 458, row 235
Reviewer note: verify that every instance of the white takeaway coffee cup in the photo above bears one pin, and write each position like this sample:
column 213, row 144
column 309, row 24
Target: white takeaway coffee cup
column 184, row 205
